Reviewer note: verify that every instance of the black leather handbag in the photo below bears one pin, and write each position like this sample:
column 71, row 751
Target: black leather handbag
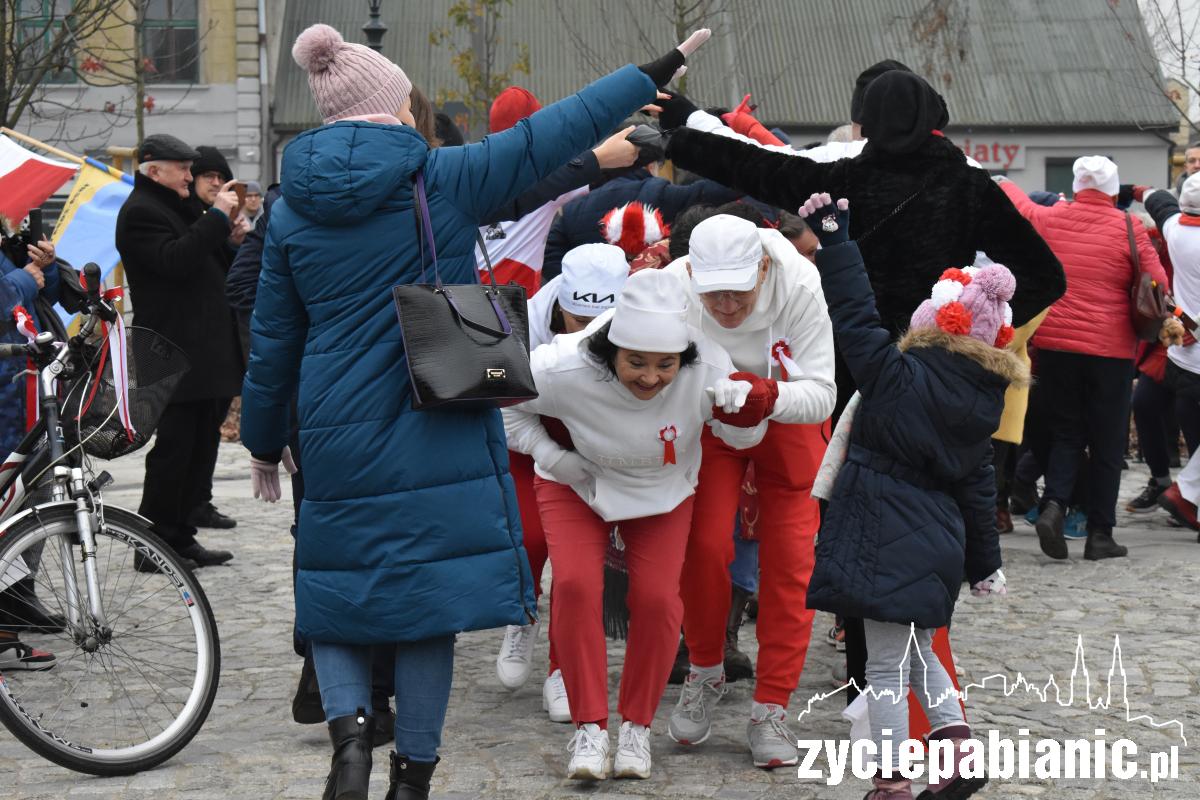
column 467, row 345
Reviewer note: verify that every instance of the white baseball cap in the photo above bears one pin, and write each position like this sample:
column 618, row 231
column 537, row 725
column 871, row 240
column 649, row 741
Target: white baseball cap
column 724, row 253
column 651, row 314
column 592, row 276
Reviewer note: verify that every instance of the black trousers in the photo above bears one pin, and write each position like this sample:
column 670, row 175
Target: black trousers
column 179, row 468
column 206, row 491
column 1087, row 404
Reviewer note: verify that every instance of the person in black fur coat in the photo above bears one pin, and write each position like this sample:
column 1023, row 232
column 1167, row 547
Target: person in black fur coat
column 919, row 208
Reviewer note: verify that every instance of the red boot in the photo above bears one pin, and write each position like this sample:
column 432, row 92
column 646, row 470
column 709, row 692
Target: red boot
column 954, row 787
column 1173, row 502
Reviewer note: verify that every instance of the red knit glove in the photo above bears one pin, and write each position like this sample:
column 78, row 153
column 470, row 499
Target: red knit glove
column 1139, row 192
column 759, row 404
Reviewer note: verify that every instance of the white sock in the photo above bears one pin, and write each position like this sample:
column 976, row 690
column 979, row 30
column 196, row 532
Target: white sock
column 714, row 673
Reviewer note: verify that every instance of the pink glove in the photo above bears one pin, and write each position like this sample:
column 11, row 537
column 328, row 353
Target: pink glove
column 264, row 476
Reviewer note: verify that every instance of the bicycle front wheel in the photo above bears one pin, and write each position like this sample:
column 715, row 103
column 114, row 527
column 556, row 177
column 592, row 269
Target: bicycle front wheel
column 114, row 698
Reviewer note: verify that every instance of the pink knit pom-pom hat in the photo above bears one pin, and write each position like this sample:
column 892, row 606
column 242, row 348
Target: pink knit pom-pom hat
column 972, row 301
column 348, row 79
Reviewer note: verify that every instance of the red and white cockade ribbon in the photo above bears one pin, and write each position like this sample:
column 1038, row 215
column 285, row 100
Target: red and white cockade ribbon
column 781, row 354
column 667, row 436
column 115, row 346
column 28, row 329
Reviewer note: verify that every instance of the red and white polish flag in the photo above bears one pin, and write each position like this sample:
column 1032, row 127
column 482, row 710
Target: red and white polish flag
column 27, row 179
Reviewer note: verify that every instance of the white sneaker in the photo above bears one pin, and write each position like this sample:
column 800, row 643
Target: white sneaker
column 514, row 663
column 554, row 698
column 633, row 752
column 589, row 754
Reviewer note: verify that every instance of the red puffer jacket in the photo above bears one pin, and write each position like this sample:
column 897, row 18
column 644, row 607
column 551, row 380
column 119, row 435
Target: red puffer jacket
column 1090, row 239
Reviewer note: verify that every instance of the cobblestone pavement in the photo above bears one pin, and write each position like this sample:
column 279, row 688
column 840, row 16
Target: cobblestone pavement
column 499, row 745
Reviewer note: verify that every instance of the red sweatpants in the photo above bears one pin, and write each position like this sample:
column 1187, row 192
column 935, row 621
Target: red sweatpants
column 521, row 468
column 654, row 548
column 785, row 464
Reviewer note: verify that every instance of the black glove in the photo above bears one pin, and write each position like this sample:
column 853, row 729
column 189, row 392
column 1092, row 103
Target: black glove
column 661, row 70
column 1125, row 196
column 675, row 111
column 826, row 219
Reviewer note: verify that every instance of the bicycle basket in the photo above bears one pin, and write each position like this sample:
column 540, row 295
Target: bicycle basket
column 89, row 413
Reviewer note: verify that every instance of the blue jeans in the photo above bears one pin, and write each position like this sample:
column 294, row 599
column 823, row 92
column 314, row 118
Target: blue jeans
column 424, row 671
column 744, row 569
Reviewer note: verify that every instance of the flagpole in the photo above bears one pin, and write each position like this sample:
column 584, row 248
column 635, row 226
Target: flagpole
column 54, row 151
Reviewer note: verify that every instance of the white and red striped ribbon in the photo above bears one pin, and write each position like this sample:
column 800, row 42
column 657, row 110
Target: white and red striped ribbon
column 120, row 363
column 28, row 329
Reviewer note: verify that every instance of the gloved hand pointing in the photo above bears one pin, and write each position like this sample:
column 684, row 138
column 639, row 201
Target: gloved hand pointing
column 663, row 70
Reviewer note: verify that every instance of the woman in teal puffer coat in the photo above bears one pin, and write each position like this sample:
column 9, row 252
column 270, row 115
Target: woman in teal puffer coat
column 409, row 530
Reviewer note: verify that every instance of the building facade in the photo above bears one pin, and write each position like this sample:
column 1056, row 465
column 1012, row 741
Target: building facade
column 205, row 70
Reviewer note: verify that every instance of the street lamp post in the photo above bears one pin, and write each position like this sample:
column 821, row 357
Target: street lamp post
column 374, row 29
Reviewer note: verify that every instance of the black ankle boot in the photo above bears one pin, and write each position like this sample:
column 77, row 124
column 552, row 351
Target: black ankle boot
column 737, row 663
column 385, row 719
column 350, row 770
column 1100, row 544
column 306, row 705
column 1049, row 528
column 410, row 779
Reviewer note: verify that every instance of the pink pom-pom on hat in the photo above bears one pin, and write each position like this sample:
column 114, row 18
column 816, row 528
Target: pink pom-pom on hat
column 348, row 79
column 983, row 299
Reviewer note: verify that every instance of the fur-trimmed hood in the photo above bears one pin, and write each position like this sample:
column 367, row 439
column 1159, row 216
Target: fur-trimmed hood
column 999, row 362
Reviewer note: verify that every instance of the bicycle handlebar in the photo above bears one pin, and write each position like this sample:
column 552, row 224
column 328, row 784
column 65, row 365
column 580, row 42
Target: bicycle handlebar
column 91, row 272
column 13, row 350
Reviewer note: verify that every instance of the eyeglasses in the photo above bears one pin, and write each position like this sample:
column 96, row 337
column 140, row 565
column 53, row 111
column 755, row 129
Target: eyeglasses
column 727, row 294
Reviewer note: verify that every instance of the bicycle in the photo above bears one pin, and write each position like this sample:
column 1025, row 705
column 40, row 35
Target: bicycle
column 136, row 651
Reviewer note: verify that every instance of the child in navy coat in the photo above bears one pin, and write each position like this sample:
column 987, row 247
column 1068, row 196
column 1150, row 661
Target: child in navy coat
column 913, row 505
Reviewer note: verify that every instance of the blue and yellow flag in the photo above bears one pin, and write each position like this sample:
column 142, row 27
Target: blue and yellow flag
column 87, row 228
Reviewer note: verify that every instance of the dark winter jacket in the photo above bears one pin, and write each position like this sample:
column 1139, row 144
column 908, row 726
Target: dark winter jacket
column 241, row 284
column 916, row 497
column 954, row 211
column 18, row 288
column 175, row 263
column 409, row 527
column 579, row 171
column 580, row 219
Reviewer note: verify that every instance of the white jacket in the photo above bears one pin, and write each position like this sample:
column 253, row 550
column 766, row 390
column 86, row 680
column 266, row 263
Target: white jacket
column 1183, row 243
column 541, row 307
column 620, row 435
column 825, row 153
column 791, row 313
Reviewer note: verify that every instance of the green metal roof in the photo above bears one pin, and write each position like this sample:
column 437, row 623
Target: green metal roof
column 1025, row 63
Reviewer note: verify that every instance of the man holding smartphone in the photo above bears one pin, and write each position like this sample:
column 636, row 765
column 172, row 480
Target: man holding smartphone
column 176, row 251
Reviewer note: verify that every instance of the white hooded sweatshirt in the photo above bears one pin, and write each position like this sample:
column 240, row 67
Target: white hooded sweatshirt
column 788, row 335
column 623, row 438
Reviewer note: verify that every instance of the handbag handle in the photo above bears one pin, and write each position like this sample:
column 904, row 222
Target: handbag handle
column 1133, row 252
column 426, row 232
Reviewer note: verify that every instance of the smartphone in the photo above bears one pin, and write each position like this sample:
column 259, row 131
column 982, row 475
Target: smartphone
column 36, row 231
column 240, row 188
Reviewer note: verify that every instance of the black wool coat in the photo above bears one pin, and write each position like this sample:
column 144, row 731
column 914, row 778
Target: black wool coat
column 175, row 263
column 955, row 210
column 913, row 509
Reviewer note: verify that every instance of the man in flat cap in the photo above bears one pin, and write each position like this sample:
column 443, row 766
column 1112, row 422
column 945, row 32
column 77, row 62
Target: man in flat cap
column 176, row 273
